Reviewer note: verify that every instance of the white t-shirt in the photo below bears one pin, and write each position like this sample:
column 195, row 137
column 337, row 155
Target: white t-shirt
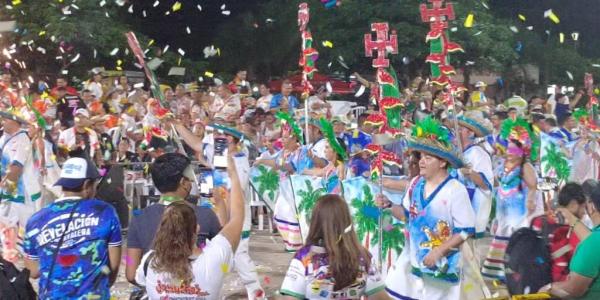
column 209, row 269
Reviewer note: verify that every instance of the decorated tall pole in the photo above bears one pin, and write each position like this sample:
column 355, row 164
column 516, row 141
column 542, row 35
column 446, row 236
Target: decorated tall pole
column 308, row 57
column 440, row 47
column 388, row 98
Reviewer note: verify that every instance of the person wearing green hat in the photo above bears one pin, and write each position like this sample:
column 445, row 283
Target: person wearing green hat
column 478, row 175
column 438, row 216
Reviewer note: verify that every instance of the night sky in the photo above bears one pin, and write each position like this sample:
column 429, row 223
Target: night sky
column 171, row 29
column 581, row 16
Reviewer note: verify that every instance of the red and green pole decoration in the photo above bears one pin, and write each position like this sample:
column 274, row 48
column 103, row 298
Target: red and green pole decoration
column 440, row 45
column 309, row 55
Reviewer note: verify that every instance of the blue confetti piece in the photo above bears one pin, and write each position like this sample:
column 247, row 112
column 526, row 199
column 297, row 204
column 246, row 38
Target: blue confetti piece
column 137, row 212
column 371, row 212
column 539, row 260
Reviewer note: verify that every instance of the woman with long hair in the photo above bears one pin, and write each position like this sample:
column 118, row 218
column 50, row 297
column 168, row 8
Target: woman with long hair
column 178, row 267
column 332, row 264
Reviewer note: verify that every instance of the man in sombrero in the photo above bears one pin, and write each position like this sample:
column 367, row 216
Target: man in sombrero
column 478, row 174
column 19, row 185
column 439, row 218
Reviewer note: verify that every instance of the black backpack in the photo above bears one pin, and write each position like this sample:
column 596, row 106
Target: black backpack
column 14, row 284
column 528, row 263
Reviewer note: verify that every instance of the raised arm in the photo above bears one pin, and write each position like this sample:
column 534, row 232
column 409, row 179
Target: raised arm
column 232, row 230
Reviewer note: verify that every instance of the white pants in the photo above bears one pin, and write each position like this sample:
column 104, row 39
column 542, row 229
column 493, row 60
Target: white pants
column 246, row 268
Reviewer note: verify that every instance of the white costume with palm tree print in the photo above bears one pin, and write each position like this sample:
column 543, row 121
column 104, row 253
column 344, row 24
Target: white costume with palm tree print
column 432, row 221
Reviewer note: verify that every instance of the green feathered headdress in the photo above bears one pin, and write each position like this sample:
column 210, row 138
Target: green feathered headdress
column 429, row 136
column 329, row 134
column 296, row 130
column 430, row 128
column 580, row 115
column 520, row 130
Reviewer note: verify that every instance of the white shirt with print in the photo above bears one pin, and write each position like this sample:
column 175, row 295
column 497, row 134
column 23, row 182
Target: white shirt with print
column 209, row 269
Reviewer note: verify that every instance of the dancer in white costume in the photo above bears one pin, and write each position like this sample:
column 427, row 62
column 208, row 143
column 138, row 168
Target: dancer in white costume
column 440, row 218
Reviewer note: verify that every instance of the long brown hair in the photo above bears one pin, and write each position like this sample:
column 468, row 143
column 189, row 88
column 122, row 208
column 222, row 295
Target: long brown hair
column 175, row 240
column 329, row 221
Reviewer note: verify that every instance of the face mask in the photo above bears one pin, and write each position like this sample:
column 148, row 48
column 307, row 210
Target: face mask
column 512, row 150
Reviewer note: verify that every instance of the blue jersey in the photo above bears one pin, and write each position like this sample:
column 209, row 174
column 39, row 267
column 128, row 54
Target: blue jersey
column 82, row 268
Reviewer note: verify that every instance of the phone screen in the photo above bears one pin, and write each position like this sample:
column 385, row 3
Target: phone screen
column 206, row 182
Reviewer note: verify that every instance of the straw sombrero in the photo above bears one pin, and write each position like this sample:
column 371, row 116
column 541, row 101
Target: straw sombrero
column 430, row 137
column 475, row 121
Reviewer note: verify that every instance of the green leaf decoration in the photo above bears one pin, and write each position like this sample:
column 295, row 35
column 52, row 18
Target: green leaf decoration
column 309, row 199
column 295, row 128
column 579, row 114
column 430, row 128
column 556, row 160
column 329, row 134
column 509, row 125
column 268, row 182
column 363, row 223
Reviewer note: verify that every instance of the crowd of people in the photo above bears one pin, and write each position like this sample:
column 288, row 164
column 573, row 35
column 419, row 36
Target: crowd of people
column 469, row 167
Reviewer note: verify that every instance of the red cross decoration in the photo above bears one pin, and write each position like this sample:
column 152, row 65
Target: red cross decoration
column 437, row 13
column 382, row 44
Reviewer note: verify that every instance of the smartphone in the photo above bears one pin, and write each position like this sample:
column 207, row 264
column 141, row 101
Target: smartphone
column 206, row 182
column 220, row 156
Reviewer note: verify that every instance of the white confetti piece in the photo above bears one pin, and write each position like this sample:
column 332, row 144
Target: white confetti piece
column 144, row 13
column 120, row 2
column 514, row 29
column 478, row 33
column 114, row 52
column 41, row 50
column 570, row 75
column 180, row 51
column 76, row 58
column 454, row 29
column 95, row 53
column 485, row 5
column 199, row 7
column 156, row 3
column 223, row 7
column 187, row 29
column 596, row 65
column 529, row 28
column 102, row 3
column 75, row 6
column 106, row 14
column 226, row 12
column 360, row 91
column 165, row 49
column 130, row 9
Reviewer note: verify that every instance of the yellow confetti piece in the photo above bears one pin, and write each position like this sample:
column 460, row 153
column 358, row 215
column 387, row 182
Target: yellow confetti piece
column 327, row 44
column 597, row 91
column 552, row 16
column 209, row 74
column 119, row 69
column 522, row 17
column 176, row 6
column 468, row 287
column 151, row 42
column 224, row 268
column 179, row 61
column 496, row 283
column 43, row 32
column 561, row 37
column 16, row 2
column 469, row 21
column 119, row 62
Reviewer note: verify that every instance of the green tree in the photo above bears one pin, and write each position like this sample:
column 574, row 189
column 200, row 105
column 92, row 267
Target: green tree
column 309, row 199
column 393, row 238
column 366, row 224
column 268, row 182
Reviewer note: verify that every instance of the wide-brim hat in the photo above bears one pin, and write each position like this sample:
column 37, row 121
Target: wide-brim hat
column 429, row 136
column 228, row 130
column 13, row 115
column 311, row 121
column 475, row 121
column 436, row 149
